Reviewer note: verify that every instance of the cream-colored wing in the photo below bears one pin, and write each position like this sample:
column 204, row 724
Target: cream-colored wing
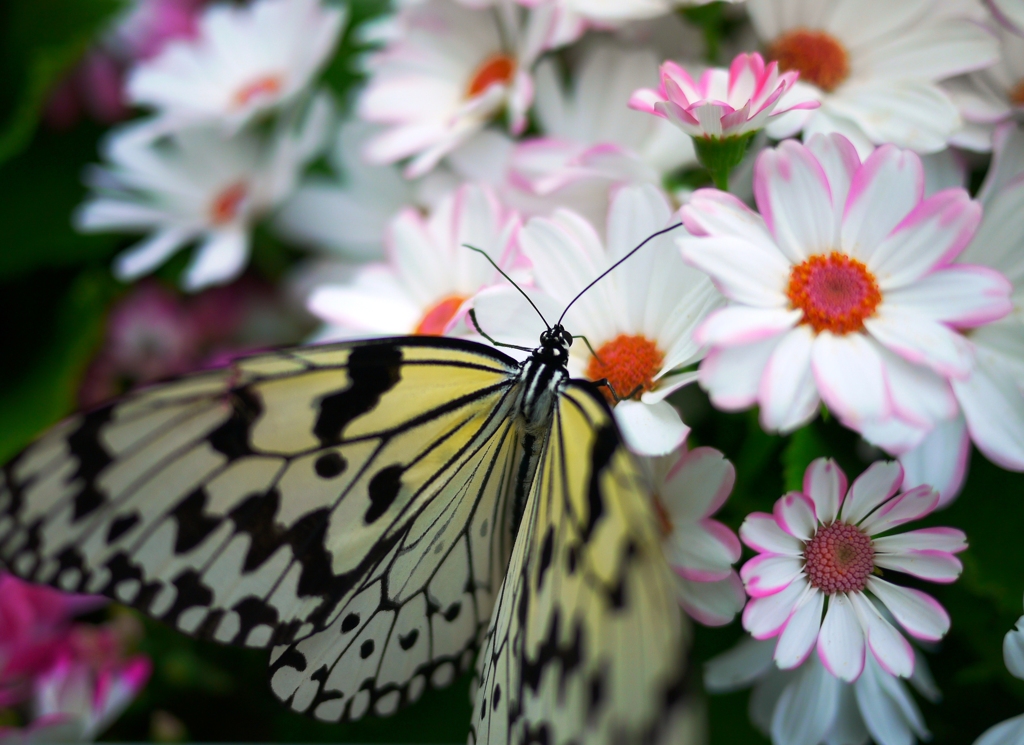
column 354, row 488
column 587, row 643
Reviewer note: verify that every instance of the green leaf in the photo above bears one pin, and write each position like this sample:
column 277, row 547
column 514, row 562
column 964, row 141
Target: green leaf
column 43, row 40
column 47, row 390
column 804, row 446
column 39, row 190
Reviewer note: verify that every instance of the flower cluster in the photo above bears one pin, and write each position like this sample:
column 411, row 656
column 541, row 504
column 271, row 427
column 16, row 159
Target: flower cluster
column 65, row 681
column 795, row 230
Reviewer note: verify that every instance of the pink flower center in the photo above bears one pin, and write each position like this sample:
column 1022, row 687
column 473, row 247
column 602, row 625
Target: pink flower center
column 227, row 203
column 437, row 317
column 836, row 293
column 498, row 68
column 267, row 85
column 818, row 57
column 629, row 363
column 839, row 558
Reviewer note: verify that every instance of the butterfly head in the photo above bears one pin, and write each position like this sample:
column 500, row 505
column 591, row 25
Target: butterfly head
column 554, row 346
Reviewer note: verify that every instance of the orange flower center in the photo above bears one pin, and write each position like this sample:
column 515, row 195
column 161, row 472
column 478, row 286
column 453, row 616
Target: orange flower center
column 436, row 319
column 498, row 68
column 1017, row 94
column 839, row 558
column 836, row 293
column 226, row 204
column 268, row 85
column 818, row 57
column 629, row 363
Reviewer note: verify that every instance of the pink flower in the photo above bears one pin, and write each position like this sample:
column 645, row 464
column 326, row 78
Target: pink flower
column 689, row 487
column 723, row 103
column 820, row 550
column 842, row 289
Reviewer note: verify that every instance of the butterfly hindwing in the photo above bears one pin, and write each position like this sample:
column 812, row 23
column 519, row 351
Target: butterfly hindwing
column 587, row 643
column 261, row 503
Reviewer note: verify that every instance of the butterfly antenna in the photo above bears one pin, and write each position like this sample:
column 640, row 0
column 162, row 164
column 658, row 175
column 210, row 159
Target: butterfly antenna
column 608, row 271
column 512, row 281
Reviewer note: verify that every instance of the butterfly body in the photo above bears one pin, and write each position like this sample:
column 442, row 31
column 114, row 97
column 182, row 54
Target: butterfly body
column 377, row 513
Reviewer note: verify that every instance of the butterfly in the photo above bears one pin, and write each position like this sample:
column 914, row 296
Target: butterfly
column 379, row 514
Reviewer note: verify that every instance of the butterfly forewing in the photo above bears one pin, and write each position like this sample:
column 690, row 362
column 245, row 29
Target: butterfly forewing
column 587, row 643
column 253, row 504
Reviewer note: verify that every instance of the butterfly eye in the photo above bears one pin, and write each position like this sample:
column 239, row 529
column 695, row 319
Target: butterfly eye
column 566, row 338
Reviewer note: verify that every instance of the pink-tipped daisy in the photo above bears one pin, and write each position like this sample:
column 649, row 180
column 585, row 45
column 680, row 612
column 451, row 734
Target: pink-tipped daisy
column 822, row 551
column 722, row 103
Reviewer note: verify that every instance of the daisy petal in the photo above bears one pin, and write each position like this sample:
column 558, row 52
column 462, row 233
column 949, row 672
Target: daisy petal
column 940, row 460
column 932, row 235
column 918, row 613
column 712, row 603
column 806, row 709
column 714, row 212
column 993, row 387
column 767, row 574
column 962, row 295
column 794, row 513
column 892, row 651
column 850, row 377
column 841, row 640
column 880, row 481
column 825, row 484
column 797, row 639
column 794, row 197
column 731, row 375
column 934, row 566
column 740, row 270
column 788, row 396
column 950, row 540
column 760, row 531
column 738, row 667
column 922, row 341
column 651, row 429
column 765, row 617
column 1013, row 649
column 738, row 324
column 884, row 191
column 838, row 157
column 909, row 506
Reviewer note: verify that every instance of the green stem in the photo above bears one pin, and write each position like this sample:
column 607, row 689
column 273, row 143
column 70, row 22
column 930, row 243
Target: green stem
column 720, row 155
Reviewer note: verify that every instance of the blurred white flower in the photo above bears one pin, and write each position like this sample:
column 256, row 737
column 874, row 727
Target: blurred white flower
column 992, row 398
column 429, row 273
column 245, row 60
column 1010, row 13
column 990, row 96
column 347, row 215
column 689, row 486
column 449, row 70
column 810, row 706
column 605, row 12
column 639, row 319
column 874, row 66
column 1011, row 731
column 193, row 185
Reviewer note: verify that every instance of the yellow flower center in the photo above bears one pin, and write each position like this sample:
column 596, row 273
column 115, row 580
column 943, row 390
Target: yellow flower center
column 628, row 363
column 836, row 293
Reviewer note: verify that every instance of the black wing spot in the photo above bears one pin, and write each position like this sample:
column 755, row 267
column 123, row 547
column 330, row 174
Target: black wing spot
column 122, row 525
column 330, row 465
column 496, row 697
column 483, row 529
column 255, row 516
column 546, row 552
column 452, row 612
column 350, row 622
column 595, row 693
column 605, row 444
column 193, row 524
column 366, row 649
column 372, row 370
column 232, row 437
column 406, row 642
column 383, row 491
column 571, row 559
column 87, row 500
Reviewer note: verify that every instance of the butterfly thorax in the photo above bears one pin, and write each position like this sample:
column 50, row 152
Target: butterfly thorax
column 540, row 377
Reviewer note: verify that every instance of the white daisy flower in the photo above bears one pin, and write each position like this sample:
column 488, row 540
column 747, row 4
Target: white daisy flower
column 589, row 133
column 245, row 60
column 1010, row 13
column 450, row 71
column 809, row 705
column 991, row 397
column 689, row 486
column 1010, row 732
column 991, row 96
column 639, row 320
column 818, row 554
column 196, row 184
column 605, row 12
column 429, row 273
column 874, row 67
column 842, row 288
